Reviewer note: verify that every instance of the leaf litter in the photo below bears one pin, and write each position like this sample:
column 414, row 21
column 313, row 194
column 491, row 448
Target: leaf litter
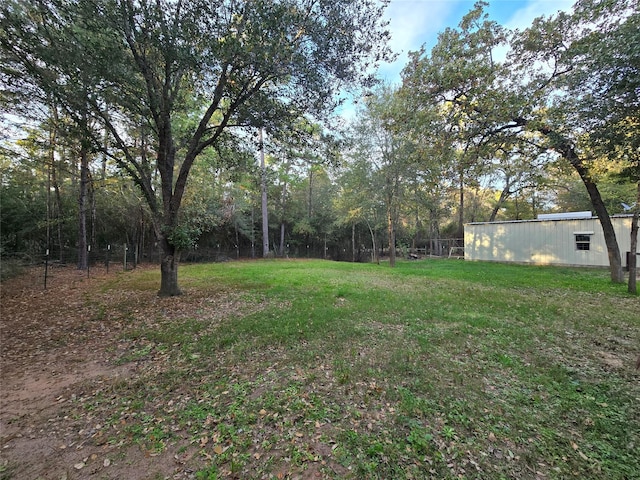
column 62, row 373
column 102, row 382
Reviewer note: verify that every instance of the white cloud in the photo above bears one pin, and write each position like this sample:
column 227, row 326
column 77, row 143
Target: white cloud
column 523, row 17
column 412, row 22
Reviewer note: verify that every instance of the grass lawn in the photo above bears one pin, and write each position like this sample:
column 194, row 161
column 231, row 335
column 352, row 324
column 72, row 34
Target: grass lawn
column 434, row 369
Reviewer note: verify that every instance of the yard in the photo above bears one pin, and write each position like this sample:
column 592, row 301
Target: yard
column 315, row 369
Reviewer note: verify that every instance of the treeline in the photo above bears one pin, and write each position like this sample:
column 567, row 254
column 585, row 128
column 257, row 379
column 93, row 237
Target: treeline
column 203, row 131
column 329, row 206
column 221, row 217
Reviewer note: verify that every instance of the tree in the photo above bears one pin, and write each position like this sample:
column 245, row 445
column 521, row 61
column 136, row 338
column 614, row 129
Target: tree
column 263, row 199
column 459, row 83
column 248, row 64
column 525, row 97
column 606, row 90
column 358, row 202
column 23, row 216
column 304, row 146
column 385, row 147
column 544, row 53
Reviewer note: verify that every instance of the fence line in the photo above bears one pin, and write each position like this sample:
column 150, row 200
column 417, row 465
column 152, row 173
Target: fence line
column 126, row 257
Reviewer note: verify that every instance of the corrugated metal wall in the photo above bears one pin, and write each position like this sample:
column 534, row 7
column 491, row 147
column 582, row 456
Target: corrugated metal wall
column 543, row 241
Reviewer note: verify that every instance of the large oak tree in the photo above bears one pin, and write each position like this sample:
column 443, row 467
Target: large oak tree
column 216, row 65
column 550, row 92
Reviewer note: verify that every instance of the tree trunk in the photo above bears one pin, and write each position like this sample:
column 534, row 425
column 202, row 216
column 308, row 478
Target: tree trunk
column 253, row 231
column 235, row 226
column 633, row 257
column 434, row 232
column 310, row 205
column 82, row 208
column 374, row 254
column 58, row 211
column 615, row 260
column 282, row 232
column 283, row 203
column 460, row 233
column 504, row 194
column 50, row 167
column 324, row 248
column 94, row 208
column 52, row 183
column 353, row 241
column 567, row 150
column 265, row 212
column 169, row 270
column 56, row 188
column 392, row 238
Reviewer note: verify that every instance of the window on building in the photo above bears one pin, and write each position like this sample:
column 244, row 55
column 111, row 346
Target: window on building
column 583, row 241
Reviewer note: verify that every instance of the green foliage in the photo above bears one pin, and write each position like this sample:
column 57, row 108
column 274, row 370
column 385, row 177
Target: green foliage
column 184, row 78
column 468, row 127
column 210, row 473
column 606, row 86
column 564, row 89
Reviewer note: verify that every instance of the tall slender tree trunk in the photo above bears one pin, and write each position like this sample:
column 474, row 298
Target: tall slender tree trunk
column 58, row 211
column 434, row 232
column 283, row 203
column 51, row 166
column 460, row 232
column 310, row 204
column 94, row 210
column 282, row 235
column 237, row 232
column 82, row 207
column 353, row 241
column 633, row 256
column 324, row 248
column 309, row 207
column 263, row 188
column 253, row 230
column 374, row 255
column 392, row 237
column 54, row 183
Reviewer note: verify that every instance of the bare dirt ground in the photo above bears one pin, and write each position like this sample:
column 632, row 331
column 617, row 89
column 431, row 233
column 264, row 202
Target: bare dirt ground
column 56, row 352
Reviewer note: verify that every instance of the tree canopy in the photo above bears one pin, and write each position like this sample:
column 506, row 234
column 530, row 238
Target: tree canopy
column 179, row 75
column 561, row 88
column 489, row 124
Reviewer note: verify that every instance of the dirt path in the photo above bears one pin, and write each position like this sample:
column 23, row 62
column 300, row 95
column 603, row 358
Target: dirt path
column 56, row 352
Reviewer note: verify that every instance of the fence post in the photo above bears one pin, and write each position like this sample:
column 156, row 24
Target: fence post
column 125, row 257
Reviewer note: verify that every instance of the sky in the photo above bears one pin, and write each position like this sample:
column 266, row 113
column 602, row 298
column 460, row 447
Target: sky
column 414, row 23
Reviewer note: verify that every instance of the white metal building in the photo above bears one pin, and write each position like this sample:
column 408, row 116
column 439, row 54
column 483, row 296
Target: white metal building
column 559, row 239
